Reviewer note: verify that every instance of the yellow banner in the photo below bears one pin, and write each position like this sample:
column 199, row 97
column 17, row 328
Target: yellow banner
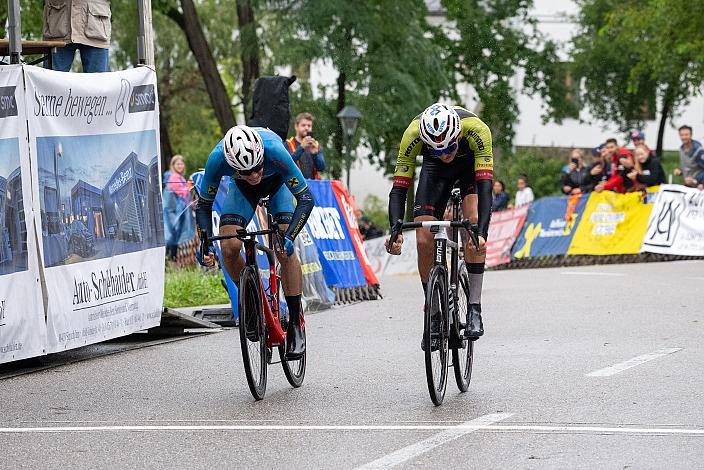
column 612, row 224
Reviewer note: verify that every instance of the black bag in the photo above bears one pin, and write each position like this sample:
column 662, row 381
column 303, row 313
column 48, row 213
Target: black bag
column 270, row 105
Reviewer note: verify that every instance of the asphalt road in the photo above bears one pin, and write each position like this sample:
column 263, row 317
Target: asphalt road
column 593, row 367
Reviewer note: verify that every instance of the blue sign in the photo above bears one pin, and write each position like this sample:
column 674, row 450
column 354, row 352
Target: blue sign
column 326, row 226
column 549, row 227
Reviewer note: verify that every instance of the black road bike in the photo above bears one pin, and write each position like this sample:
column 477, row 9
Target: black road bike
column 446, row 302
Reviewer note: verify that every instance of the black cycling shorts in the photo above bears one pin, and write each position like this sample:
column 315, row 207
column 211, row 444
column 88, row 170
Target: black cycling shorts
column 436, row 182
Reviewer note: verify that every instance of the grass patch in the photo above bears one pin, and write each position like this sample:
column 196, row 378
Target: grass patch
column 189, row 287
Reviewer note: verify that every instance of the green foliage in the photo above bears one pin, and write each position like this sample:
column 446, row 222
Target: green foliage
column 376, row 210
column 496, row 39
column 389, row 62
column 188, row 287
column 543, row 173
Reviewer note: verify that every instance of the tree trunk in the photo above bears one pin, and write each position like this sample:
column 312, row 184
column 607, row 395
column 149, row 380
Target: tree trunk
column 166, row 150
column 249, row 47
column 339, row 162
column 190, row 24
column 666, row 111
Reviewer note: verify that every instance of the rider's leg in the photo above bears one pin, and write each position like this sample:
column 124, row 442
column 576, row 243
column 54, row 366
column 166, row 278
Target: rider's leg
column 475, row 268
column 237, row 211
column 232, row 252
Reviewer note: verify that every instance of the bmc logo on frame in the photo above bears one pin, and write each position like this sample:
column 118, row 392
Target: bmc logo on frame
column 8, row 104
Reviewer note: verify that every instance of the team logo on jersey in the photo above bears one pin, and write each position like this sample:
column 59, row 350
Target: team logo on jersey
column 293, row 182
column 212, row 190
column 477, row 139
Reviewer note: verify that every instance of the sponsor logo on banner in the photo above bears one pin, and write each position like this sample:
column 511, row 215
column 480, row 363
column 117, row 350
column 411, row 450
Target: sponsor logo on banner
column 676, row 225
column 503, row 231
column 665, row 220
column 143, row 99
column 2, row 313
column 71, row 105
column 8, row 104
column 324, row 223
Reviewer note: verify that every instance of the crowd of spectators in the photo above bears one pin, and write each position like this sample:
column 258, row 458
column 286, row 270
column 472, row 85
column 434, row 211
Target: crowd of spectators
column 502, row 199
column 616, row 168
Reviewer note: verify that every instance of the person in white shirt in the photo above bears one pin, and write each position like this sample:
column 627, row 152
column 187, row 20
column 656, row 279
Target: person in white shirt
column 524, row 195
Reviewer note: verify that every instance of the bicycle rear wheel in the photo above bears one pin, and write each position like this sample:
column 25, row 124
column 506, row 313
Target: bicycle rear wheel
column 435, row 337
column 253, row 332
column 463, row 354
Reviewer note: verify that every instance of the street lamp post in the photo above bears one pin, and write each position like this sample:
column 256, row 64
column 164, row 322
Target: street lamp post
column 349, row 117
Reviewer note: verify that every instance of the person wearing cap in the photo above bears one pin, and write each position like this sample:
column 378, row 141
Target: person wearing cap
column 638, row 139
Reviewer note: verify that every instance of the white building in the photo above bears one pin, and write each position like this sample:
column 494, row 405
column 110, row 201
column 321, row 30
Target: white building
column 556, row 22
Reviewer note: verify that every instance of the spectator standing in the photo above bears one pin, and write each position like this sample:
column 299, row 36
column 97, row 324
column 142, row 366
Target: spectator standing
column 638, row 139
column 524, row 194
column 576, row 177
column 84, row 25
column 367, row 228
column 621, row 164
column 179, row 227
column 691, row 159
column 501, row 197
column 304, row 149
column 650, row 171
column 600, row 168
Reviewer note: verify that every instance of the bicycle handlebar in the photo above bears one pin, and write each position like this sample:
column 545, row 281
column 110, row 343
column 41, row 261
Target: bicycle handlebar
column 472, row 229
column 244, row 235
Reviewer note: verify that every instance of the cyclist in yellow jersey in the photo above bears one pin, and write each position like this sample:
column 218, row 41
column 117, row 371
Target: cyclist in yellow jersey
column 455, row 146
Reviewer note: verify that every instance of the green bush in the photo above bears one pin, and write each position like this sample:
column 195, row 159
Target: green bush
column 189, row 287
column 543, row 173
column 376, row 210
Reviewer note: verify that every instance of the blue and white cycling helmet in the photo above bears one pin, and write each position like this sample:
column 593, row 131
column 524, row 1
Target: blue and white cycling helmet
column 439, row 126
column 243, row 148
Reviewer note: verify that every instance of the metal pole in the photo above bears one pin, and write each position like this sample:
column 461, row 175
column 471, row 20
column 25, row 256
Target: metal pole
column 145, row 39
column 349, row 160
column 14, row 30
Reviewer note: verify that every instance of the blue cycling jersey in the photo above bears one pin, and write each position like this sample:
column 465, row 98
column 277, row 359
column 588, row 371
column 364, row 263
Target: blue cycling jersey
column 276, row 160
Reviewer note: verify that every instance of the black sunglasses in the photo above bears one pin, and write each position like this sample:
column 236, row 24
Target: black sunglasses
column 256, row 169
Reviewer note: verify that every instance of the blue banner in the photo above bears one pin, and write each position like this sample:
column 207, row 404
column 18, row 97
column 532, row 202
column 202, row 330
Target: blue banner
column 549, row 227
column 328, row 229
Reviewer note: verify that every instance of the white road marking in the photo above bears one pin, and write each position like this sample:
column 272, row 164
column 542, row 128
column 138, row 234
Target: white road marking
column 636, row 361
column 591, row 273
column 457, row 430
column 414, row 450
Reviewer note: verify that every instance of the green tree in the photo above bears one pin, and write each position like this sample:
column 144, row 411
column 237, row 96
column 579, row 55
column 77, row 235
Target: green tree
column 637, row 55
column 498, row 40
column 388, row 61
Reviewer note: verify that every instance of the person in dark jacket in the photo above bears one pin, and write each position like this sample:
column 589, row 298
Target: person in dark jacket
column 650, row 172
column 577, row 177
column 599, row 170
column 304, row 149
column 501, row 197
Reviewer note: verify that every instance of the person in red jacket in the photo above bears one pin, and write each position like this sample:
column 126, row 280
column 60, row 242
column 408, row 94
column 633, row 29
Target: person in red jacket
column 621, row 164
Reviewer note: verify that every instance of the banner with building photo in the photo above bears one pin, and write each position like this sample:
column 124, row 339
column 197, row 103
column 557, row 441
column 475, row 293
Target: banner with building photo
column 613, row 224
column 676, row 225
column 94, row 142
column 22, row 321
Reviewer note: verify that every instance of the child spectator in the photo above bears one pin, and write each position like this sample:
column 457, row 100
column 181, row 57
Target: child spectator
column 649, row 171
column 179, row 225
column 501, row 197
column 524, row 195
column 600, row 168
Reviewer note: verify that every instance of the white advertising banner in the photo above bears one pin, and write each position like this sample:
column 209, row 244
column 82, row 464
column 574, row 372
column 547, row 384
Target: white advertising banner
column 383, row 263
column 22, row 321
column 676, row 225
column 94, row 142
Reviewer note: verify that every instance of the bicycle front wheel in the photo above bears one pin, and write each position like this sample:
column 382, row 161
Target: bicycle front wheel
column 436, row 335
column 253, row 332
column 294, row 370
column 463, row 354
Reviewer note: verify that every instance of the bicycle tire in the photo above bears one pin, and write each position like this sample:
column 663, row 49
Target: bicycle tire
column 295, row 371
column 463, row 355
column 253, row 332
column 436, row 360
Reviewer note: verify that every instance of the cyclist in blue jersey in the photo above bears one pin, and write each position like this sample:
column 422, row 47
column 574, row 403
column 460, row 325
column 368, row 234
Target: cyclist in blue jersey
column 258, row 165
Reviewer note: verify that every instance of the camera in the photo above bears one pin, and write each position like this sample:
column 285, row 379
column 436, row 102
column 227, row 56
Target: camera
column 309, row 134
column 575, row 161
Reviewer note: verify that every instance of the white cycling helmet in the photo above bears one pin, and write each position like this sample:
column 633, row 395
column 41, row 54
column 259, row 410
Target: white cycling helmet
column 439, row 126
column 243, row 148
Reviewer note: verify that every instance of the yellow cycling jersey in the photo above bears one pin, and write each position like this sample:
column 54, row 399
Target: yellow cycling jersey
column 474, row 142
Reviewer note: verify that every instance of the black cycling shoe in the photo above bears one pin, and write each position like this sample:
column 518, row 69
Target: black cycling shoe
column 475, row 327
column 295, row 342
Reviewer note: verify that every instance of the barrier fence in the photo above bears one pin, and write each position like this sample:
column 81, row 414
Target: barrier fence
column 666, row 223
column 82, row 238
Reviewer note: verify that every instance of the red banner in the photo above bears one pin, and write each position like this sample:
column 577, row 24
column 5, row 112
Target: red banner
column 503, row 231
column 349, row 212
